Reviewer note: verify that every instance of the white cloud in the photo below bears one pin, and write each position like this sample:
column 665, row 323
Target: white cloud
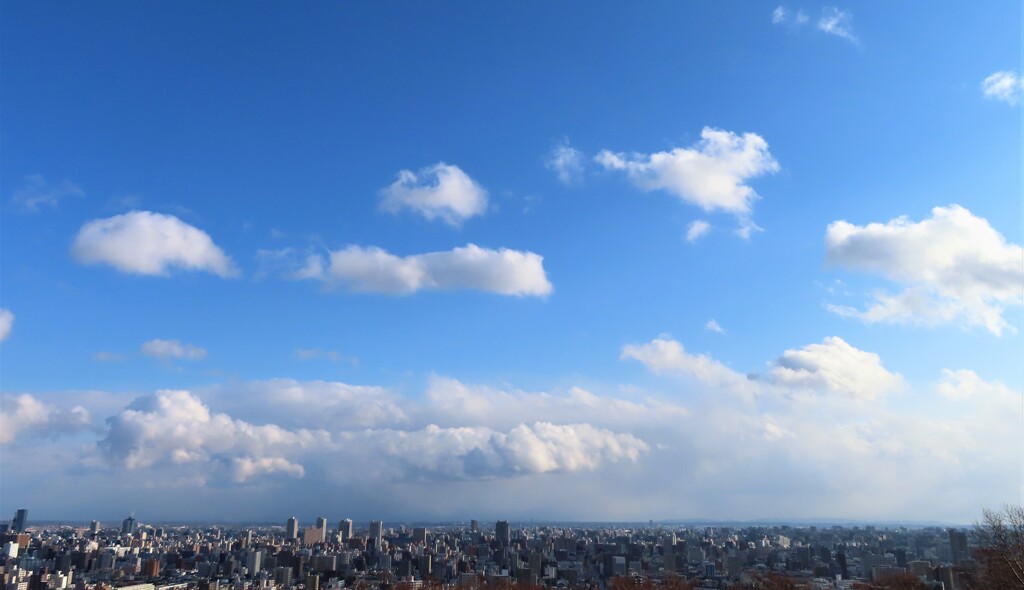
column 664, row 355
column 964, row 384
column 696, row 230
column 177, row 428
column 954, row 266
column 441, row 191
column 373, row 270
column 37, row 192
column 6, row 323
column 453, row 403
column 566, row 162
column 712, row 174
column 834, row 367
column 326, row 405
column 779, row 15
column 837, row 22
column 1004, row 86
column 24, row 416
column 172, row 349
column 143, row 242
column 480, row 452
column 713, row 326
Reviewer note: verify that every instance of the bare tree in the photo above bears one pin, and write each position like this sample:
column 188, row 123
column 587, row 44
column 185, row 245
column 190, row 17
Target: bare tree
column 1000, row 552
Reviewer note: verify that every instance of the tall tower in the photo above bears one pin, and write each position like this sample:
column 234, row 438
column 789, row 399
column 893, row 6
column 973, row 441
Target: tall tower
column 958, row 546
column 502, row 533
column 377, row 533
column 345, row 529
column 291, row 528
column 20, row 520
column 128, row 525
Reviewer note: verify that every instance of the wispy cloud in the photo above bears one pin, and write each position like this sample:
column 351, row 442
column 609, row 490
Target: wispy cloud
column 1005, row 86
column 172, row 349
column 566, row 162
column 696, row 230
column 832, row 21
column 6, row 323
column 36, row 192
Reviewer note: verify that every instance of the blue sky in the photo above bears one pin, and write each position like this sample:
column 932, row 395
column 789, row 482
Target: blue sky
column 170, row 171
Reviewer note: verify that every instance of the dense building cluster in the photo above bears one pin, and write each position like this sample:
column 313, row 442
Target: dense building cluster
column 374, row 556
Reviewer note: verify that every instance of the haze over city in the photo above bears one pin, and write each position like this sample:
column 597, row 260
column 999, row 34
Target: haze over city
column 539, row 262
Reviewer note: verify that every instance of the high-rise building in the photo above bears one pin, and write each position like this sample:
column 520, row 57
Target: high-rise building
column 958, row 546
column 377, row 533
column 94, row 527
column 128, row 526
column 345, row 529
column 254, row 562
column 20, row 520
column 313, row 582
column 502, row 533
column 291, row 528
column 321, row 523
column 474, row 525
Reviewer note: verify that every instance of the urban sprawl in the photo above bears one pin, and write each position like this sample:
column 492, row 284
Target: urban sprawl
column 470, row 555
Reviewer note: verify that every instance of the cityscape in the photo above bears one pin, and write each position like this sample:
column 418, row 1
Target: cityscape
column 511, row 295
column 321, row 555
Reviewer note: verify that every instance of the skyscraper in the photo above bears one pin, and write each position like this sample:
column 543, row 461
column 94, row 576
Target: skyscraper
column 291, row 528
column 958, row 546
column 345, row 529
column 321, row 523
column 377, row 533
column 94, row 527
column 20, row 520
column 128, row 525
column 502, row 533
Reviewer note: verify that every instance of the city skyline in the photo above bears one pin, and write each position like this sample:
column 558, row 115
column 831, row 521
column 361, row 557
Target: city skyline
column 733, row 261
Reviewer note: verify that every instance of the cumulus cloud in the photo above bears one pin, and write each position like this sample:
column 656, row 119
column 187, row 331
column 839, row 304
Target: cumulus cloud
column 147, row 243
column 374, row 270
column 712, row 174
column 177, row 428
column 37, row 192
column 1004, row 86
column 25, row 416
column 713, row 326
column 441, row 191
column 566, row 162
column 837, row 22
column 834, row 367
column 697, row 230
column 954, row 267
column 172, row 349
column 6, row 323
